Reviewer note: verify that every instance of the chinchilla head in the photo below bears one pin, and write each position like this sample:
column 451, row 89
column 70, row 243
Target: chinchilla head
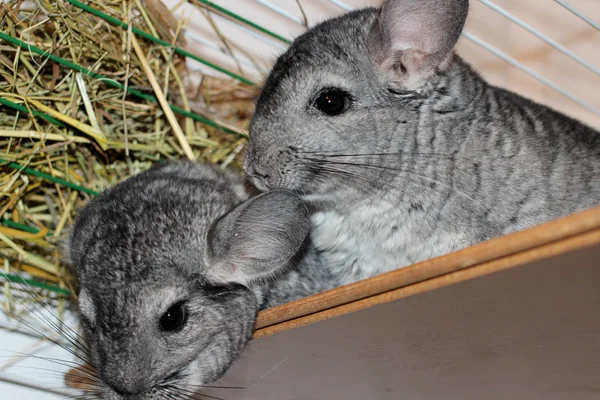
column 165, row 263
column 349, row 86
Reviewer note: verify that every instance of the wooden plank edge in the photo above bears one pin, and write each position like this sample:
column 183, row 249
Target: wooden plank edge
column 545, row 251
column 479, row 253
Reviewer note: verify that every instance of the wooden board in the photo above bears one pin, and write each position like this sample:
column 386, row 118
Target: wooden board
column 513, row 318
column 504, row 252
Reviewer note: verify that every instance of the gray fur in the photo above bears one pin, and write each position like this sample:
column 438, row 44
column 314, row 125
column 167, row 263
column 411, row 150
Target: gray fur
column 171, row 234
column 245, row 246
column 427, row 159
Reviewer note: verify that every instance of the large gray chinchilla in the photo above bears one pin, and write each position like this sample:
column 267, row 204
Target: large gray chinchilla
column 405, row 152
column 172, row 266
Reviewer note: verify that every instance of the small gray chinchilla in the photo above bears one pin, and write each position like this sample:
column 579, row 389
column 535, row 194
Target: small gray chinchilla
column 403, row 150
column 172, row 267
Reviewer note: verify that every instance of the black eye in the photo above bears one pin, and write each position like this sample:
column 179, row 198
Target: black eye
column 174, row 318
column 332, row 101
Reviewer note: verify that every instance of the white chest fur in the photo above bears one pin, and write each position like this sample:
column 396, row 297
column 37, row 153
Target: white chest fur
column 377, row 238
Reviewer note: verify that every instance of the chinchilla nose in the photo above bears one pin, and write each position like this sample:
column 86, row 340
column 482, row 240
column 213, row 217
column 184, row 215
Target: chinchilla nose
column 123, row 390
column 127, row 384
column 259, row 178
column 254, row 168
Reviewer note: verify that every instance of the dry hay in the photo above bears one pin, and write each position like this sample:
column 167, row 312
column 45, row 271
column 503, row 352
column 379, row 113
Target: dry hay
column 83, row 107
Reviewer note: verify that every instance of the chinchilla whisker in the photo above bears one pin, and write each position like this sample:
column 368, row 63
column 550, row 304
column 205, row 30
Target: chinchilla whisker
column 326, row 165
column 195, row 394
column 214, row 386
column 165, row 395
column 164, row 391
column 384, row 154
column 85, row 396
column 415, row 178
column 180, row 396
column 74, row 339
column 217, row 387
column 172, row 388
column 48, row 371
column 89, row 396
column 95, row 396
column 332, row 169
column 88, row 386
column 177, row 392
column 339, row 171
column 192, row 391
column 43, row 335
column 280, row 363
column 91, row 378
column 358, row 176
column 415, row 175
column 372, row 165
column 65, row 363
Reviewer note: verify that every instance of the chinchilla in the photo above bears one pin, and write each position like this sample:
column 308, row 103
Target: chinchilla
column 404, row 151
column 172, row 267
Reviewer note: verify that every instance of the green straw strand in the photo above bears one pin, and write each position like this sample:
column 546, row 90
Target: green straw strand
column 53, row 288
column 21, row 227
column 41, row 285
column 26, row 110
column 243, row 20
column 78, row 68
column 48, row 177
column 154, row 39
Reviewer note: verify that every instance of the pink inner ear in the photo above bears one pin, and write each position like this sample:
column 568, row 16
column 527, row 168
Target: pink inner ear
column 412, row 60
column 415, row 60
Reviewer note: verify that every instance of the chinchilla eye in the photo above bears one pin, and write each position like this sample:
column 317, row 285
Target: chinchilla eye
column 174, row 318
column 332, row 101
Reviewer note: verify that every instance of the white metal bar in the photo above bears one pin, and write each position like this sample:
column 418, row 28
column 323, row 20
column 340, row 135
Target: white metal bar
column 280, row 11
column 199, row 39
column 509, row 59
column 341, row 4
column 542, row 36
column 530, row 72
column 262, row 38
column 245, row 61
column 20, row 331
column 29, row 385
column 578, row 13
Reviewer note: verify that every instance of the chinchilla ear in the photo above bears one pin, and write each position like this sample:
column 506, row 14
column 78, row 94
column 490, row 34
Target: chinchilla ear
column 411, row 38
column 257, row 239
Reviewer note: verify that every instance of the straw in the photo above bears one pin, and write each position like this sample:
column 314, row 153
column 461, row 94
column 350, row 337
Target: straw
column 89, row 100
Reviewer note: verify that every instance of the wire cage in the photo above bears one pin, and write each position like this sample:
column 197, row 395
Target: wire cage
column 199, row 67
column 541, row 49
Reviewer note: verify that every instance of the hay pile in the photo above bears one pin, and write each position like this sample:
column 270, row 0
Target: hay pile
column 88, row 101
